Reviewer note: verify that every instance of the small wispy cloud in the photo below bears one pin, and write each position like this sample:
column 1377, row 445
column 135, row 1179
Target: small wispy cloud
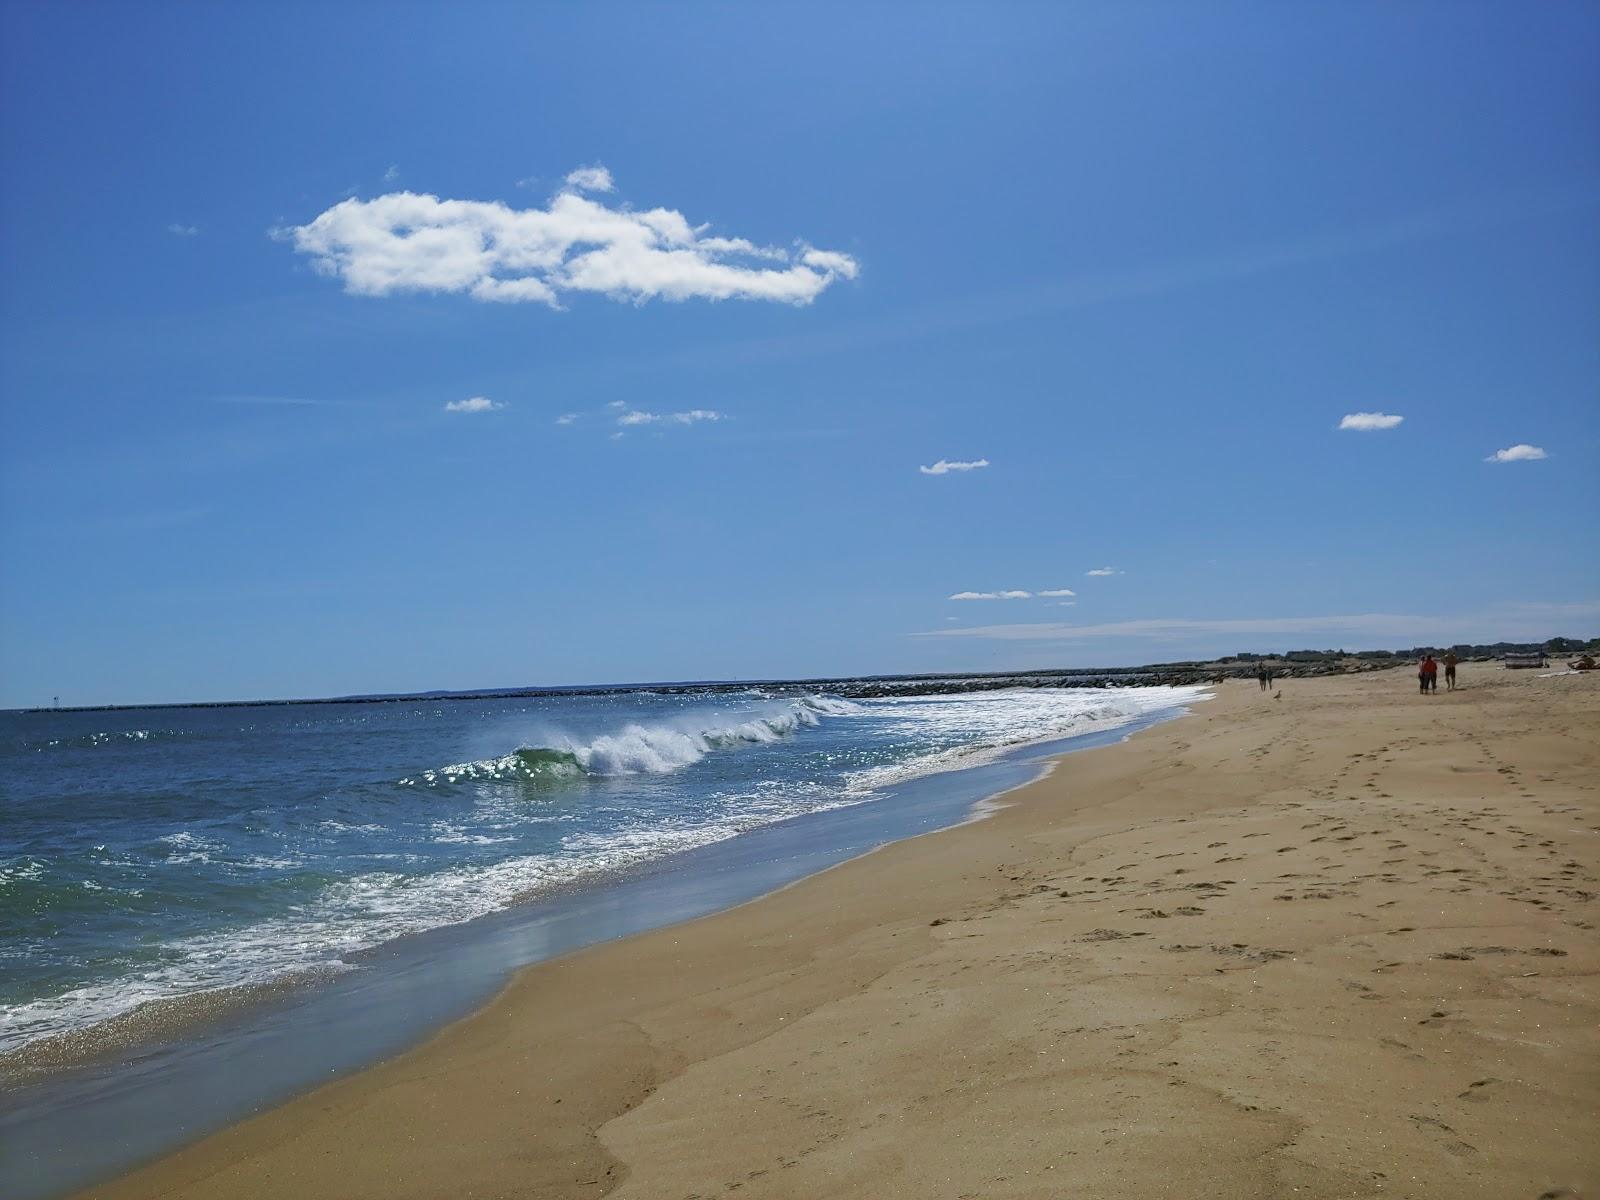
column 409, row 242
column 391, row 174
column 1015, row 594
column 474, row 404
column 694, row 416
column 567, row 419
column 1367, row 422
column 591, row 179
column 1100, row 572
column 180, row 230
column 1521, row 452
column 944, row 466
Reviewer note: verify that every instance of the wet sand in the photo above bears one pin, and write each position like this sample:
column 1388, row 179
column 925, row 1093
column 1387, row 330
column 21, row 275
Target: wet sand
column 1337, row 944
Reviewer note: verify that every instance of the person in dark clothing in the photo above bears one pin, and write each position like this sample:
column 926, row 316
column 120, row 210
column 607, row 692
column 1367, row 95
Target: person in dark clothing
column 1263, row 676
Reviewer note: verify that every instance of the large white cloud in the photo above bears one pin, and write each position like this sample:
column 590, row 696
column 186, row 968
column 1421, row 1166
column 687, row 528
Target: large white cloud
column 1369, row 422
column 1521, row 452
column 408, row 242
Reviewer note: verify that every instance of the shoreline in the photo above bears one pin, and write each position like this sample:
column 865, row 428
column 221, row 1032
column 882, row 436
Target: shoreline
column 995, row 1008
column 81, row 1102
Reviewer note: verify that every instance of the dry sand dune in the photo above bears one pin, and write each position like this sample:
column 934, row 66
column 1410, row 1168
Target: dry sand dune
column 1337, row 944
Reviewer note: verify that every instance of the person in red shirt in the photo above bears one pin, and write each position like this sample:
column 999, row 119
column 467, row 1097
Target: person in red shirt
column 1428, row 675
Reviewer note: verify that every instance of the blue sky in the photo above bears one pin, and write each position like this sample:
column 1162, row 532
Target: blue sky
column 1141, row 259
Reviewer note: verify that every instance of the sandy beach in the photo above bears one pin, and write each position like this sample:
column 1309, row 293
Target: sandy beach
column 1334, row 942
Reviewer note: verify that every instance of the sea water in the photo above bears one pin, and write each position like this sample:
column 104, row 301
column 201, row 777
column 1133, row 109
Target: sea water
column 159, row 854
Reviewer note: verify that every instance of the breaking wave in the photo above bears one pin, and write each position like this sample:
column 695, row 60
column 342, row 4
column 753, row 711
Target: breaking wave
column 638, row 749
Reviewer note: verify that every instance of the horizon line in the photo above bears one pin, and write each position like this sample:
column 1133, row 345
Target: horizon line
column 550, row 689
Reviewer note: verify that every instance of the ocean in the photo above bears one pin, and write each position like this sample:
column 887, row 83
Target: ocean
column 149, row 855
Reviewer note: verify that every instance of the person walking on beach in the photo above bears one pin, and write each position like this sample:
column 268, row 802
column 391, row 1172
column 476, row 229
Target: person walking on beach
column 1450, row 661
column 1263, row 676
column 1428, row 675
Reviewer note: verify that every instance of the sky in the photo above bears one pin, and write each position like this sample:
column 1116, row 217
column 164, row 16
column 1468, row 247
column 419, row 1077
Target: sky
column 356, row 348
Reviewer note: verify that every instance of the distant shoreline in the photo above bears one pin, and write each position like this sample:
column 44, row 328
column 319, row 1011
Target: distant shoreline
column 1185, row 671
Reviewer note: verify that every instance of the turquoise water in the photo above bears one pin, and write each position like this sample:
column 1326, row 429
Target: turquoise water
column 161, row 854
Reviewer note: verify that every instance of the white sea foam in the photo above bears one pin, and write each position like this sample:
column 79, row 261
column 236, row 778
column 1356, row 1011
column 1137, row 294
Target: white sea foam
column 189, row 847
column 110, row 737
column 980, row 728
column 343, row 827
column 370, row 909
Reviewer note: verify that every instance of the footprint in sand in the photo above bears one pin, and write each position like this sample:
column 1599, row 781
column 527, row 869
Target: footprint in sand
column 1108, row 935
column 1450, row 1142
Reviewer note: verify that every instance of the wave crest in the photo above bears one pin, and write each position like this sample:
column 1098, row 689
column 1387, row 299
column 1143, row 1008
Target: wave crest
column 639, row 749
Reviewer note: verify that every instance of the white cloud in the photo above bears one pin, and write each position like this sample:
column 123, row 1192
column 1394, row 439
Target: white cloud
column 183, row 230
column 829, row 260
column 391, row 174
column 567, row 418
column 693, row 417
column 944, row 467
column 1102, row 571
column 406, row 242
column 1521, row 452
column 1365, row 422
column 474, row 404
column 1014, row 594
column 591, row 179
